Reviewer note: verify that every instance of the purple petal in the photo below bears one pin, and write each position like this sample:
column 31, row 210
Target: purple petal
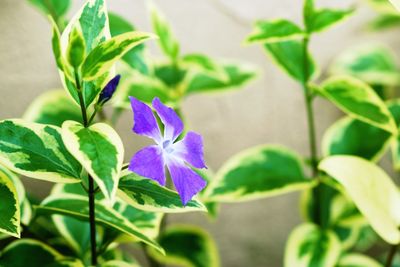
column 144, row 121
column 148, row 162
column 190, row 149
column 186, row 181
column 173, row 125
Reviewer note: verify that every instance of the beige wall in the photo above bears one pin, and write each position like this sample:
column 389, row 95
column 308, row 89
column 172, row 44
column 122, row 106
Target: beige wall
column 270, row 110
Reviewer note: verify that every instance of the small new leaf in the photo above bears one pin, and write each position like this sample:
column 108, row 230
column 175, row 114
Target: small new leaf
column 76, row 48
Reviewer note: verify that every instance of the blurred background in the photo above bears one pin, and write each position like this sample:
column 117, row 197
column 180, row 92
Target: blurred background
column 268, row 110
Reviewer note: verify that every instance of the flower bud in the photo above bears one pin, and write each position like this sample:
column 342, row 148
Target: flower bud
column 109, row 90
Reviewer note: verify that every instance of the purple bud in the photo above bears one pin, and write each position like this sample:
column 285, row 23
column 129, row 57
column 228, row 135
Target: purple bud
column 109, row 90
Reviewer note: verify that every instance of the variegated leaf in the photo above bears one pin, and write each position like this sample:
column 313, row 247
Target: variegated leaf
column 239, row 74
column 145, row 194
column 29, row 252
column 103, row 57
column 53, row 107
column 358, row 100
column 308, row 245
column 37, row 151
column 371, row 189
column 187, row 246
column 349, row 136
column 258, row 172
column 10, row 214
column 92, row 21
column 78, row 207
column 357, row 260
column 272, row 31
column 100, row 151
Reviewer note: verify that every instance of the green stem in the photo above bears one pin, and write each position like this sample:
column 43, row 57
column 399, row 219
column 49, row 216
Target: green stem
column 308, row 97
column 390, row 257
column 91, row 190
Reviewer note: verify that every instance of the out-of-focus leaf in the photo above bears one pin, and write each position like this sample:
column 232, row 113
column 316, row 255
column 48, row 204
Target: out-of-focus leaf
column 10, row 214
column 53, row 107
column 308, row 245
column 187, row 246
column 374, row 64
column 371, row 189
column 358, row 100
column 271, row 31
column 349, row 136
column 290, row 57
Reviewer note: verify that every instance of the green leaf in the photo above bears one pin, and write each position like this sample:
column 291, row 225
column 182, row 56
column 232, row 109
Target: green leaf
column 358, row 100
column 135, row 56
column 53, row 107
column 371, row 189
column 357, row 260
column 145, row 194
column 374, row 64
column 289, row 56
column 102, row 57
column 100, row 151
column 76, row 48
column 318, row 20
column 394, row 108
column 92, row 19
column 29, row 252
column 239, row 75
column 75, row 232
column 55, row 8
column 148, row 222
column 10, row 205
column 308, row 245
column 37, row 151
column 187, row 246
column 204, row 64
column 168, row 42
column 78, row 207
column 25, row 207
column 140, row 86
column 258, row 172
column 384, row 21
column 349, row 136
column 338, row 213
column 272, row 31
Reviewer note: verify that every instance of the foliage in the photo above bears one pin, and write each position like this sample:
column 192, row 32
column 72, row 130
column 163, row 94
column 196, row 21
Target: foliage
column 99, row 202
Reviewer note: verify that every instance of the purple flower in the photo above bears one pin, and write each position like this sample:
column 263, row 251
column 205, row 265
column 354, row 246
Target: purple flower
column 109, row 90
column 178, row 156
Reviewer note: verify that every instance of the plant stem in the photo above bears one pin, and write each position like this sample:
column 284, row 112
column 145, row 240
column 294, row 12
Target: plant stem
column 308, row 97
column 91, row 190
column 92, row 221
column 390, row 257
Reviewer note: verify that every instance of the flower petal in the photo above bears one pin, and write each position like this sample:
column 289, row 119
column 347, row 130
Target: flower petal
column 173, row 124
column 190, row 149
column 148, row 162
column 186, row 181
column 144, row 121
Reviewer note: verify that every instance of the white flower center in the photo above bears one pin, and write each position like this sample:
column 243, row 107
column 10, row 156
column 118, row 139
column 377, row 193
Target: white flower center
column 167, row 146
